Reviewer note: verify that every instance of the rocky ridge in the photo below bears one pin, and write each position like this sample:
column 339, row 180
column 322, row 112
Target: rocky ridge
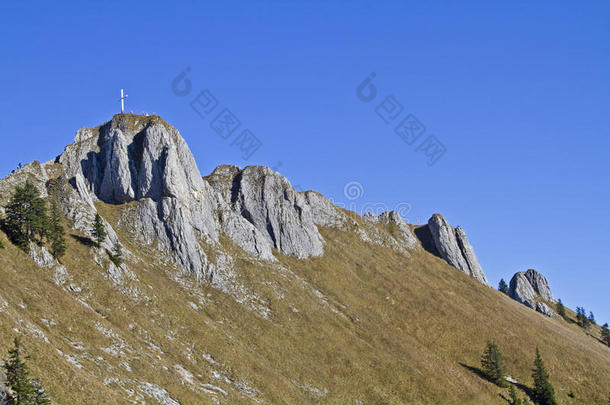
column 144, row 164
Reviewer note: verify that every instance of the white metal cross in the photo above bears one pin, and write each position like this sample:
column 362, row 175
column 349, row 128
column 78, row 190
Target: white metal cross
column 123, row 97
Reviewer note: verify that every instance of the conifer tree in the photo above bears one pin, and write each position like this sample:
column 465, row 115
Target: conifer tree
column 98, row 232
column 40, row 395
column 561, row 310
column 21, row 390
column 606, row 334
column 514, row 399
column 117, row 254
column 56, row 233
column 503, row 287
column 493, row 364
column 543, row 393
column 591, row 317
column 581, row 317
column 26, row 216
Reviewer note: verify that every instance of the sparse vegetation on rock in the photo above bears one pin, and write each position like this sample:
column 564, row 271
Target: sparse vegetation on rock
column 97, row 231
column 116, row 256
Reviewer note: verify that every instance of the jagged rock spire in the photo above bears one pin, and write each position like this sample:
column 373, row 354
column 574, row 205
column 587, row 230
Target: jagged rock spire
column 452, row 245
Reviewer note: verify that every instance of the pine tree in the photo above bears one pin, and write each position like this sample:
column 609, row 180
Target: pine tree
column 514, row 399
column 581, row 317
column 40, row 395
column 56, row 233
column 606, row 334
column 561, row 310
column 503, row 287
column 21, row 389
column 544, row 393
column 493, row 364
column 117, row 254
column 98, row 232
column 591, row 317
column 26, row 216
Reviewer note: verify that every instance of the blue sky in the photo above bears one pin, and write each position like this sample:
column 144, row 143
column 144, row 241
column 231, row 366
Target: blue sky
column 516, row 92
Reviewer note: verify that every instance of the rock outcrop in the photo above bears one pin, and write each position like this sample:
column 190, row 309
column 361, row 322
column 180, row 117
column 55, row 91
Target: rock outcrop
column 268, row 201
column 544, row 309
column 452, row 245
column 144, row 164
column 400, row 237
column 529, row 287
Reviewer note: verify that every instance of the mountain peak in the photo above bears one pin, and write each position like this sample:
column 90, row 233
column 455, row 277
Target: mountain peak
column 132, row 157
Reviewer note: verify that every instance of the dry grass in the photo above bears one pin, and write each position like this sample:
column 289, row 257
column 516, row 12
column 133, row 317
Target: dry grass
column 361, row 322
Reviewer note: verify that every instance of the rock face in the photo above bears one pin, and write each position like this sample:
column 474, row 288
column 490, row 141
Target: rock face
column 132, row 158
column 143, row 159
column 545, row 309
column 268, row 201
column 145, row 163
column 528, row 287
column 452, row 245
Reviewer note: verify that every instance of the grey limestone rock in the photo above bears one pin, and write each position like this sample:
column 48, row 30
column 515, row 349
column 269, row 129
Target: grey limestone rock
column 404, row 234
column 266, row 200
column 545, row 309
column 453, row 246
column 142, row 159
column 41, row 256
column 527, row 287
column 145, row 162
column 471, row 259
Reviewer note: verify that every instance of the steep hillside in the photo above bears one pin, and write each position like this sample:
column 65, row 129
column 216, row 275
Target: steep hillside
column 237, row 289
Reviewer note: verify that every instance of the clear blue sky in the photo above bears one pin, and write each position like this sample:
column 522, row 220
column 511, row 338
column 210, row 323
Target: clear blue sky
column 517, row 92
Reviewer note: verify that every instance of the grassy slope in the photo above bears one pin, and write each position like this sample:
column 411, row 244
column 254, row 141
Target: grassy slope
column 361, row 322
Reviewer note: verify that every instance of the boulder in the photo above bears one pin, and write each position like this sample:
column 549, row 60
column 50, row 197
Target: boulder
column 528, row 287
column 545, row 309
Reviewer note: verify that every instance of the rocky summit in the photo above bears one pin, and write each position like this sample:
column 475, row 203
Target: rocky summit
column 234, row 288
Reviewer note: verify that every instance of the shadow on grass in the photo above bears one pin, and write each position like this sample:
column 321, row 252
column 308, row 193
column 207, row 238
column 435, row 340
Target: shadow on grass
column 480, row 373
column 85, row 241
column 475, row 370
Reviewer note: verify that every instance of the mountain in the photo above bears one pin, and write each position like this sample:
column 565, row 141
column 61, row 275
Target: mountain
column 236, row 288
